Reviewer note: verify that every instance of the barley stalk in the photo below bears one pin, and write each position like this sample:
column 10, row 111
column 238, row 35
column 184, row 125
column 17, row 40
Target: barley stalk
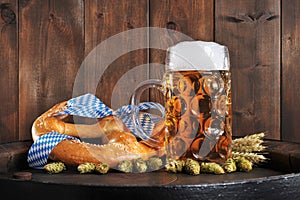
column 248, row 144
column 253, row 157
column 249, row 147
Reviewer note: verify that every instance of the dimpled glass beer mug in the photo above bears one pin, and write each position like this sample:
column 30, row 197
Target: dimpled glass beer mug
column 197, row 91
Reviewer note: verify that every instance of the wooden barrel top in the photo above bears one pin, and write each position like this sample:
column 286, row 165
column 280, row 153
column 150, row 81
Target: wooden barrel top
column 277, row 179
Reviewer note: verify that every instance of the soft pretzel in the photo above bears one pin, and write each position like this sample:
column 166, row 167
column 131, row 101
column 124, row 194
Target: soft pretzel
column 118, row 143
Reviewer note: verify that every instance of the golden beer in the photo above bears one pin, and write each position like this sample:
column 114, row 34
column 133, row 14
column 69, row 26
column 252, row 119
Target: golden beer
column 198, row 114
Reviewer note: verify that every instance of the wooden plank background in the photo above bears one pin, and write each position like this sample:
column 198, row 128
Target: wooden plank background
column 9, row 72
column 43, row 44
column 51, row 48
column 251, row 30
column 290, row 69
column 104, row 19
column 194, row 18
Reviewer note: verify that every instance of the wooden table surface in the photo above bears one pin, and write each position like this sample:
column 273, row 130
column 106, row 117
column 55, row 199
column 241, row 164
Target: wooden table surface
column 260, row 183
column 279, row 178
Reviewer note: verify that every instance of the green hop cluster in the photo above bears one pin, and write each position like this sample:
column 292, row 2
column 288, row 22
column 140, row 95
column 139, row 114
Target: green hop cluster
column 175, row 166
column 55, row 167
column 192, row 167
column 139, row 165
column 87, row 167
column 212, row 168
column 229, row 165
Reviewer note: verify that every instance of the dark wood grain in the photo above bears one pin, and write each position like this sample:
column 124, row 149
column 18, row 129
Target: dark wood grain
column 251, row 30
column 193, row 18
column 51, row 38
column 283, row 156
column 262, row 182
column 9, row 71
column 290, row 70
column 55, row 36
column 13, row 156
column 273, row 187
column 106, row 19
column 278, row 178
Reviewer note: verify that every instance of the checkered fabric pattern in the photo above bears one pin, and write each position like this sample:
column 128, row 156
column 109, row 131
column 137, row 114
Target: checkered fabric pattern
column 90, row 106
column 40, row 150
column 87, row 105
column 147, row 120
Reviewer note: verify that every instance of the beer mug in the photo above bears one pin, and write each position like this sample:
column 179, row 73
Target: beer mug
column 197, row 91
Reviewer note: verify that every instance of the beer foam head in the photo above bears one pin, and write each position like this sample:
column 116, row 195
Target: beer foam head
column 197, row 55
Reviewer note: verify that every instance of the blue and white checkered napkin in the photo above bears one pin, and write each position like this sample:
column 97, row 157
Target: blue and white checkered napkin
column 90, row 106
column 40, row 150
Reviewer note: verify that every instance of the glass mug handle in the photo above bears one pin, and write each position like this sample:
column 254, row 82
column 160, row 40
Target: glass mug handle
column 135, row 101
